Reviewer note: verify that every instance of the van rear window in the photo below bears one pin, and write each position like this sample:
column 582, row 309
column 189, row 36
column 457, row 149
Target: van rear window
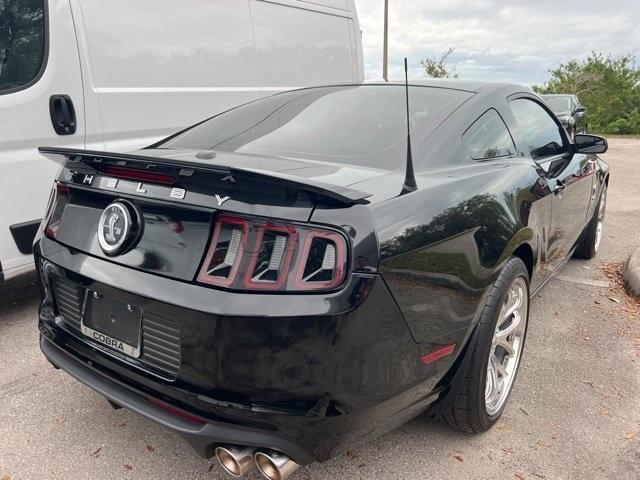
column 22, row 42
column 362, row 125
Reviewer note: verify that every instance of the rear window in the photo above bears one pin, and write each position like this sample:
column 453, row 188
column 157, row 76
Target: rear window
column 361, row 125
column 488, row 137
column 22, row 42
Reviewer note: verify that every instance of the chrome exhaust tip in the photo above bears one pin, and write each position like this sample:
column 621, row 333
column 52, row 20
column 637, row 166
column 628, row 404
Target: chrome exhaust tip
column 236, row 460
column 275, row 465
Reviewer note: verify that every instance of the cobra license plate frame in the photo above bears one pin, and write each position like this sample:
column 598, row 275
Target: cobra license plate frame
column 112, row 323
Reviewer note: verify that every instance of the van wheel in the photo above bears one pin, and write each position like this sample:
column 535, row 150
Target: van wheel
column 495, row 357
column 592, row 235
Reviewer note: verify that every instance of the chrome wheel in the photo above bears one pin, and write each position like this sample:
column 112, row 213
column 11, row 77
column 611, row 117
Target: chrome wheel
column 506, row 346
column 600, row 219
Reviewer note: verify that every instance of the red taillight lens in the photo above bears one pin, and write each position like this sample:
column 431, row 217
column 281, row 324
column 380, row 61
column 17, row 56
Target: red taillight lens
column 53, row 218
column 269, row 265
column 279, row 257
column 225, row 254
column 325, row 261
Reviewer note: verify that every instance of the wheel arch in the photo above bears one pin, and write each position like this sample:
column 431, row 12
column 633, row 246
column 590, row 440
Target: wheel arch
column 525, row 253
column 522, row 245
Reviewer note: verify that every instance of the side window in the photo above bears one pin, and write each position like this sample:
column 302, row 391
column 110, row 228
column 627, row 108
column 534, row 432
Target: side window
column 22, row 42
column 537, row 129
column 488, row 137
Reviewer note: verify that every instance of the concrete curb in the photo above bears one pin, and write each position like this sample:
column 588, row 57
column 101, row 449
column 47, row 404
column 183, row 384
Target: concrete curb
column 631, row 274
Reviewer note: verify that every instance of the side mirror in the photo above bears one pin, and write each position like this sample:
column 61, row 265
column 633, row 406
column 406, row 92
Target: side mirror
column 590, row 143
column 580, row 110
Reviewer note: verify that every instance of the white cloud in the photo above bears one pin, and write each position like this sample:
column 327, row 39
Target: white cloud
column 494, row 40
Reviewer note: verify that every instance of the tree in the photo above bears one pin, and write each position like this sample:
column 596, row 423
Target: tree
column 608, row 86
column 436, row 68
column 21, row 41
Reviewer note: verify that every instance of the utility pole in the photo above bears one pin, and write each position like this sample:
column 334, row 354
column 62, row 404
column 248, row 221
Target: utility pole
column 386, row 42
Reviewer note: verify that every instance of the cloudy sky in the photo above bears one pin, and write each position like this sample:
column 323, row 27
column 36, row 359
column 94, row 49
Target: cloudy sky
column 516, row 41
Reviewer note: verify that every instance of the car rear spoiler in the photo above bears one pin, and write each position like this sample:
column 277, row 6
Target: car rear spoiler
column 344, row 195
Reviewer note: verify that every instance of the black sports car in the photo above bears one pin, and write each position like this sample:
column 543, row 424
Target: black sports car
column 293, row 275
column 570, row 111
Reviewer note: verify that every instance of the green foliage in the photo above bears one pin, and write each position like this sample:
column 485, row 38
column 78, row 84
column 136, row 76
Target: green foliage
column 21, row 41
column 436, row 68
column 609, row 87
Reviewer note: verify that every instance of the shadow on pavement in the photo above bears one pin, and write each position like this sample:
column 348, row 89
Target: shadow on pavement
column 17, row 293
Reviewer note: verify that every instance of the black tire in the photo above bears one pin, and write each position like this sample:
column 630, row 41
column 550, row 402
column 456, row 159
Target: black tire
column 466, row 410
column 589, row 242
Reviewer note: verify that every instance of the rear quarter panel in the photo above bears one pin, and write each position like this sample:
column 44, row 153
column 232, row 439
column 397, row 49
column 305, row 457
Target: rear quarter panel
column 443, row 245
column 450, row 240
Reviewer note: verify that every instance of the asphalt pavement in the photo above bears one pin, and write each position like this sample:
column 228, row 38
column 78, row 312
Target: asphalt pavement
column 574, row 414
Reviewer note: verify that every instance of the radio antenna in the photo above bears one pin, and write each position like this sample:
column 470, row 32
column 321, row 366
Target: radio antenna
column 409, row 176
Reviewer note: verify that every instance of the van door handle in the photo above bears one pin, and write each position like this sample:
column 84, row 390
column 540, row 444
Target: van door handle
column 63, row 115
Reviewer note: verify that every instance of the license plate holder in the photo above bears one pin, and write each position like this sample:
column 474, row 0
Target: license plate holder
column 112, row 323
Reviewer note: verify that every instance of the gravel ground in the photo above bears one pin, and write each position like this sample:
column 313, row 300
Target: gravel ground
column 575, row 412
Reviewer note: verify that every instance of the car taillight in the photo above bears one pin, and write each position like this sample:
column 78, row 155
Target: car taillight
column 227, row 248
column 270, row 262
column 325, row 261
column 53, row 218
column 247, row 254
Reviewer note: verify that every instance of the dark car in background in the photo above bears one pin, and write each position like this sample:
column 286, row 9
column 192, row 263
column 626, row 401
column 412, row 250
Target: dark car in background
column 293, row 276
column 572, row 114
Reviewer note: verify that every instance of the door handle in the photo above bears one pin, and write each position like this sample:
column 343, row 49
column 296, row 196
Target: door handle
column 559, row 187
column 63, row 115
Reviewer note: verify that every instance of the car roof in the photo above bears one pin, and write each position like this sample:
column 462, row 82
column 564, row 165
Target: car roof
column 473, row 86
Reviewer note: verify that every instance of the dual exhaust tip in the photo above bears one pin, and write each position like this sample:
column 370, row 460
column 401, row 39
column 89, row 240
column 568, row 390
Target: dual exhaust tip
column 239, row 460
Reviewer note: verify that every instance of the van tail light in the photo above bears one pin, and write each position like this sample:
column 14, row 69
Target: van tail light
column 225, row 254
column 325, row 260
column 269, row 265
column 248, row 255
column 54, row 217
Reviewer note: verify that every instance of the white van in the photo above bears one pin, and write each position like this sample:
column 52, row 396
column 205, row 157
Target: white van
column 114, row 75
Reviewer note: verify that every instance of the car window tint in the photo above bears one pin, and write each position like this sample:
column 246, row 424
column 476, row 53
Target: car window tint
column 361, row 125
column 22, row 42
column 488, row 137
column 537, row 130
column 558, row 103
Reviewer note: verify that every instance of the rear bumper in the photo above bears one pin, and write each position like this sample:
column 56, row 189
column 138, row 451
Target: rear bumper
column 344, row 369
column 201, row 437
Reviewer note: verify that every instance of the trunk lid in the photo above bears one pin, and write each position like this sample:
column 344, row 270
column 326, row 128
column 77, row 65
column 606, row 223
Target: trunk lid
column 178, row 195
